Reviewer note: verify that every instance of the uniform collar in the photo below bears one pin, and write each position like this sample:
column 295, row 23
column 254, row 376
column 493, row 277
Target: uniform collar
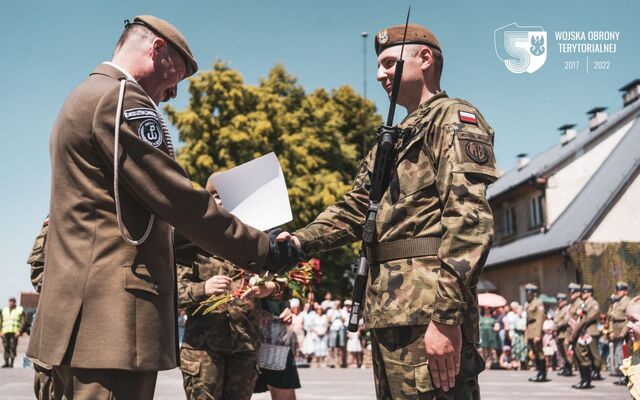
column 114, row 71
column 122, row 70
column 426, row 104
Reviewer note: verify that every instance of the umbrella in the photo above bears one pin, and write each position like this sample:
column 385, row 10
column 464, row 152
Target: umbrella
column 485, row 285
column 491, row 300
column 545, row 298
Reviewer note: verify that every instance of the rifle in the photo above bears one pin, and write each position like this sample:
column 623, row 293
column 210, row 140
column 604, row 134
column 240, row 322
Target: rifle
column 387, row 137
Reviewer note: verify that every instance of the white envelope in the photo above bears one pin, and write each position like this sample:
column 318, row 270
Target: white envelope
column 256, row 192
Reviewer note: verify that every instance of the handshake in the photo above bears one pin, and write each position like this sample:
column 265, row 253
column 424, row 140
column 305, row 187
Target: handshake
column 284, row 251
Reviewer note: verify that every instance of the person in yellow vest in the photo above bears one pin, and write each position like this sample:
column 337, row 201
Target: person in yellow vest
column 12, row 321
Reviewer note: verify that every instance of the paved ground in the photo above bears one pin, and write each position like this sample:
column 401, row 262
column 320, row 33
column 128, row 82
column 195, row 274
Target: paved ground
column 357, row 384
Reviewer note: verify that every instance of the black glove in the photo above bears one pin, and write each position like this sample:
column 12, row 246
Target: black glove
column 282, row 255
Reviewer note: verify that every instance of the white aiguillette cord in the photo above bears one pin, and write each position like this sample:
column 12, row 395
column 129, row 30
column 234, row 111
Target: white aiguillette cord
column 116, row 194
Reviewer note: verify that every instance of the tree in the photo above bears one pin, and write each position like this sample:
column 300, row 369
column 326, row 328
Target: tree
column 317, row 136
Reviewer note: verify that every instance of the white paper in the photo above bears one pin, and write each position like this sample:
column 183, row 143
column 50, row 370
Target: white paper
column 256, row 193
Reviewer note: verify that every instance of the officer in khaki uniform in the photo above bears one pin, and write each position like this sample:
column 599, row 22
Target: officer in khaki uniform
column 561, row 323
column 42, row 383
column 107, row 312
column 618, row 329
column 434, row 230
column 585, row 336
column 535, row 319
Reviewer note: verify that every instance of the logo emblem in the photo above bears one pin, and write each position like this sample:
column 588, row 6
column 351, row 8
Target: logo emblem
column 383, row 36
column 150, row 132
column 521, row 48
column 477, row 152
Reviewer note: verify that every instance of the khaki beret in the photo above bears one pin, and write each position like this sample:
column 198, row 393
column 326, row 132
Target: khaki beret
column 531, row 287
column 416, row 34
column 172, row 35
column 622, row 285
column 587, row 288
column 561, row 296
column 573, row 287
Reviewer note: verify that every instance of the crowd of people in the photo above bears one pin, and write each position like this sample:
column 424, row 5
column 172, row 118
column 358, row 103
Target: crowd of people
column 559, row 334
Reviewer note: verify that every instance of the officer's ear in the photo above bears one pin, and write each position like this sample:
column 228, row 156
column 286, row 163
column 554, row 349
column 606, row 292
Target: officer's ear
column 159, row 48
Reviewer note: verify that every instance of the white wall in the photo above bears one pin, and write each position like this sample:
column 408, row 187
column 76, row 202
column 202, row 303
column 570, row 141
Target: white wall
column 622, row 223
column 565, row 184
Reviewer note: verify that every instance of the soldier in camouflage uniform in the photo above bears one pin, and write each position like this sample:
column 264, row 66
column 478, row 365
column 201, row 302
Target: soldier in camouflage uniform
column 561, row 323
column 535, row 319
column 618, row 330
column 219, row 352
column 434, row 230
column 585, row 336
column 42, row 383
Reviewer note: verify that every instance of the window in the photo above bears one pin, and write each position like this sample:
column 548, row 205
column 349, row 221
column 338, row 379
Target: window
column 536, row 211
column 509, row 220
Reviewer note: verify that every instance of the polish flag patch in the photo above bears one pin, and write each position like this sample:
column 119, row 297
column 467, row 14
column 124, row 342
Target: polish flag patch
column 46, row 222
column 467, row 117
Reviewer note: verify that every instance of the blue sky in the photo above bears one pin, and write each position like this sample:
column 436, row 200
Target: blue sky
column 50, row 46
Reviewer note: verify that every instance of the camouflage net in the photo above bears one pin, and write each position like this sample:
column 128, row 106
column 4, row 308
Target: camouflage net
column 604, row 264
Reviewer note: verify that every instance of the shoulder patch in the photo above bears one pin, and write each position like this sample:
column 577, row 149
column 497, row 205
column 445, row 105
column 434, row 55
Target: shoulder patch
column 150, row 132
column 477, row 151
column 467, row 117
column 140, row 113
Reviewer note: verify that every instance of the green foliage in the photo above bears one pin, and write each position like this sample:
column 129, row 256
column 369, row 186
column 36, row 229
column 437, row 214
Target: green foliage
column 317, row 136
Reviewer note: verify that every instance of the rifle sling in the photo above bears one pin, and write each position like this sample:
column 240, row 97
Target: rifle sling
column 404, row 248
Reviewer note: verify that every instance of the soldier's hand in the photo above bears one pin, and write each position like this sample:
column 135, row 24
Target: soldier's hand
column 443, row 344
column 260, row 291
column 536, row 339
column 283, row 254
column 286, row 317
column 217, row 285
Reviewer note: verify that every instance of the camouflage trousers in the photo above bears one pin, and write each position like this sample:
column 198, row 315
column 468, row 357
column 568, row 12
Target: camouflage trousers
column 401, row 369
column 43, row 381
column 218, row 375
column 10, row 344
column 588, row 355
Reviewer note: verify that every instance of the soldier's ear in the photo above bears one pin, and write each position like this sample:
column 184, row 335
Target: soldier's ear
column 426, row 57
column 159, row 48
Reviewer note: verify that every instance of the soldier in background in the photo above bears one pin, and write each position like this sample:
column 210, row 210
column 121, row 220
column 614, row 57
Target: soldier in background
column 575, row 303
column 561, row 323
column 42, row 383
column 535, row 319
column 618, row 330
column 13, row 323
column 585, row 336
column 219, row 353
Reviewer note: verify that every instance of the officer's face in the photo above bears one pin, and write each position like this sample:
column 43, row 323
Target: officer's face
column 169, row 70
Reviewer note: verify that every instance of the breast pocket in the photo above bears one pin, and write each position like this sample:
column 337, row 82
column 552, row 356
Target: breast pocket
column 415, row 172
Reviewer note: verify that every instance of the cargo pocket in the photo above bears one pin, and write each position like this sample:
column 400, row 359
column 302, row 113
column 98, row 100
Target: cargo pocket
column 138, row 277
column 423, row 378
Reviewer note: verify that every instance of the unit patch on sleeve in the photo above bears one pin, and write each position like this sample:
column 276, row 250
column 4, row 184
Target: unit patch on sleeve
column 140, row 113
column 150, row 132
column 467, row 117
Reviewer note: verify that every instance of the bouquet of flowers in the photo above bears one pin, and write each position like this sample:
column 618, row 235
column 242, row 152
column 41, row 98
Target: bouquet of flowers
column 300, row 281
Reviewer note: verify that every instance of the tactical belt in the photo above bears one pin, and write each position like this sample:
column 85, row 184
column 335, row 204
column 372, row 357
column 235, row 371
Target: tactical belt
column 405, row 248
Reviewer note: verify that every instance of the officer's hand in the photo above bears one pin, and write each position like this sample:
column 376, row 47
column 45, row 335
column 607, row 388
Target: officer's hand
column 260, row 291
column 536, row 339
column 286, row 237
column 217, row 285
column 283, row 254
column 443, row 344
column 286, row 317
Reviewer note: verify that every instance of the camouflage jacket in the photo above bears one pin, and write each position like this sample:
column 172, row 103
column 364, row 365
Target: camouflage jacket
column 618, row 317
column 588, row 321
column 437, row 189
column 235, row 328
column 561, row 322
column 535, row 318
column 36, row 258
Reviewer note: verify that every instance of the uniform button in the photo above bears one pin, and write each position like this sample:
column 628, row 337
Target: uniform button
column 155, row 286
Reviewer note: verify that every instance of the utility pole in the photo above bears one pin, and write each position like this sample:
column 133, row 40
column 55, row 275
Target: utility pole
column 364, row 85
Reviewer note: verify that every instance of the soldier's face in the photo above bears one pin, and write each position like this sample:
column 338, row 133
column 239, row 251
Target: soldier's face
column 169, row 70
column 412, row 81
